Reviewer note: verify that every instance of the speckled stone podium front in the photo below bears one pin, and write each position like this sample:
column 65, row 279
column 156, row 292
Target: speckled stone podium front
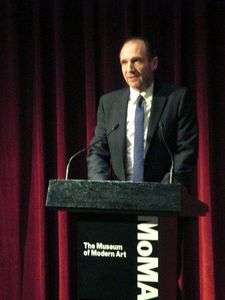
column 122, row 197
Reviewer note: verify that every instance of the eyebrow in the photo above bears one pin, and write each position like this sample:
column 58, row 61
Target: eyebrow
column 132, row 59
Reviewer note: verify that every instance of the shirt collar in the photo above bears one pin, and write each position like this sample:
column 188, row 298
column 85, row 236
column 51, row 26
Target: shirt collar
column 146, row 94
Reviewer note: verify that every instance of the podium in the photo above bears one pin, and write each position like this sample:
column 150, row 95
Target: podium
column 127, row 236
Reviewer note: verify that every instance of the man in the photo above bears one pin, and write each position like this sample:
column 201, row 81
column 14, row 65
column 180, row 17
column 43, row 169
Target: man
column 170, row 133
column 170, row 126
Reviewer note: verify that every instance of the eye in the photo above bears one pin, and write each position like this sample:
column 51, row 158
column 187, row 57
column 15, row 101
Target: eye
column 123, row 62
column 137, row 61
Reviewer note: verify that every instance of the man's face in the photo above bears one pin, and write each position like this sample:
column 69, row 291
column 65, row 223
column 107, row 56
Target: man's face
column 137, row 69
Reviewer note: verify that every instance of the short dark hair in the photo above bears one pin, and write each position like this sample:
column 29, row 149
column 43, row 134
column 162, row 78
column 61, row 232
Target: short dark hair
column 151, row 52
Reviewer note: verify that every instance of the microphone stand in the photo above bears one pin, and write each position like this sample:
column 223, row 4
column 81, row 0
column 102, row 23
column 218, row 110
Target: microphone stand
column 169, row 151
column 88, row 147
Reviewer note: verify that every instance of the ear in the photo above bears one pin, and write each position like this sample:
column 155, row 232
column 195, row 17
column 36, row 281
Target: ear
column 154, row 63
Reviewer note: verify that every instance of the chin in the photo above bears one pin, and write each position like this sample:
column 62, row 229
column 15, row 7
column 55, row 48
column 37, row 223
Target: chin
column 134, row 86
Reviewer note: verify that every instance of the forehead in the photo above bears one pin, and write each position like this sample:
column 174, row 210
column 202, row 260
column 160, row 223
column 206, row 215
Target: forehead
column 133, row 48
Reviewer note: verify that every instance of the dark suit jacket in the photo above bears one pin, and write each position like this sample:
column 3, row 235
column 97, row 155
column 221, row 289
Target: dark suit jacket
column 174, row 109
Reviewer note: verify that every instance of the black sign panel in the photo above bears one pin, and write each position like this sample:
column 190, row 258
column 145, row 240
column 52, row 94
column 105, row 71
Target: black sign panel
column 117, row 258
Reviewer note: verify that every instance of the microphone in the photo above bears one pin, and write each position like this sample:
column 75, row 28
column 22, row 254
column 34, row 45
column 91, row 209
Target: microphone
column 115, row 127
column 169, row 151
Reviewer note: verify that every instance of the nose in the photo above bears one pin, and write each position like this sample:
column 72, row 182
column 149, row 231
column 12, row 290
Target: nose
column 130, row 66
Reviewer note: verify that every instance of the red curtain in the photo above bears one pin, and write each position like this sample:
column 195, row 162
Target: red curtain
column 56, row 59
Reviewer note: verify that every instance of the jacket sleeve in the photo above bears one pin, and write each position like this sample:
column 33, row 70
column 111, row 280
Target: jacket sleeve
column 98, row 160
column 186, row 148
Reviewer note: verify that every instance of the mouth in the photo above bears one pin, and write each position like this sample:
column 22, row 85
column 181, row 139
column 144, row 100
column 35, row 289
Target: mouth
column 132, row 77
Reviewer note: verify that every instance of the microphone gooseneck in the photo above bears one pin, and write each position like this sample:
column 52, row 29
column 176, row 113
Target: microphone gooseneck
column 169, row 152
column 115, row 127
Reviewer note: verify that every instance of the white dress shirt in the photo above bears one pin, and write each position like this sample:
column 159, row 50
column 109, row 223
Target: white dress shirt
column 147, row 95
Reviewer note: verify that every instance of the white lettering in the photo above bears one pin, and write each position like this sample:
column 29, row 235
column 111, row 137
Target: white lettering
column 148, row 263
column 147, row 245
column 144, row 248
column 149, row 233
column 147, row 292
column 102, row 253
column 109, row 246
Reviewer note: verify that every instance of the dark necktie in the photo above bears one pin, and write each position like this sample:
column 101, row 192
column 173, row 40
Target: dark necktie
column 138, row 166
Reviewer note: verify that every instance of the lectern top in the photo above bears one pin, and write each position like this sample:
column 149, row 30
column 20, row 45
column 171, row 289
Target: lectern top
column 122, row 197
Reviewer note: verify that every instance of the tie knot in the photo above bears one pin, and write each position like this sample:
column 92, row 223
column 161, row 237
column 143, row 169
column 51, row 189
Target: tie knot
column 140, row 100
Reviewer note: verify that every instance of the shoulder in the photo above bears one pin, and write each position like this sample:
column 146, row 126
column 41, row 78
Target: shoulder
column 115, row 95
column 169, row 90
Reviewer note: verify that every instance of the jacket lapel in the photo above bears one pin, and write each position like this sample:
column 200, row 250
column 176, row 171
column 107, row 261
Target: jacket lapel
column 122, row 121
column 158, row 103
